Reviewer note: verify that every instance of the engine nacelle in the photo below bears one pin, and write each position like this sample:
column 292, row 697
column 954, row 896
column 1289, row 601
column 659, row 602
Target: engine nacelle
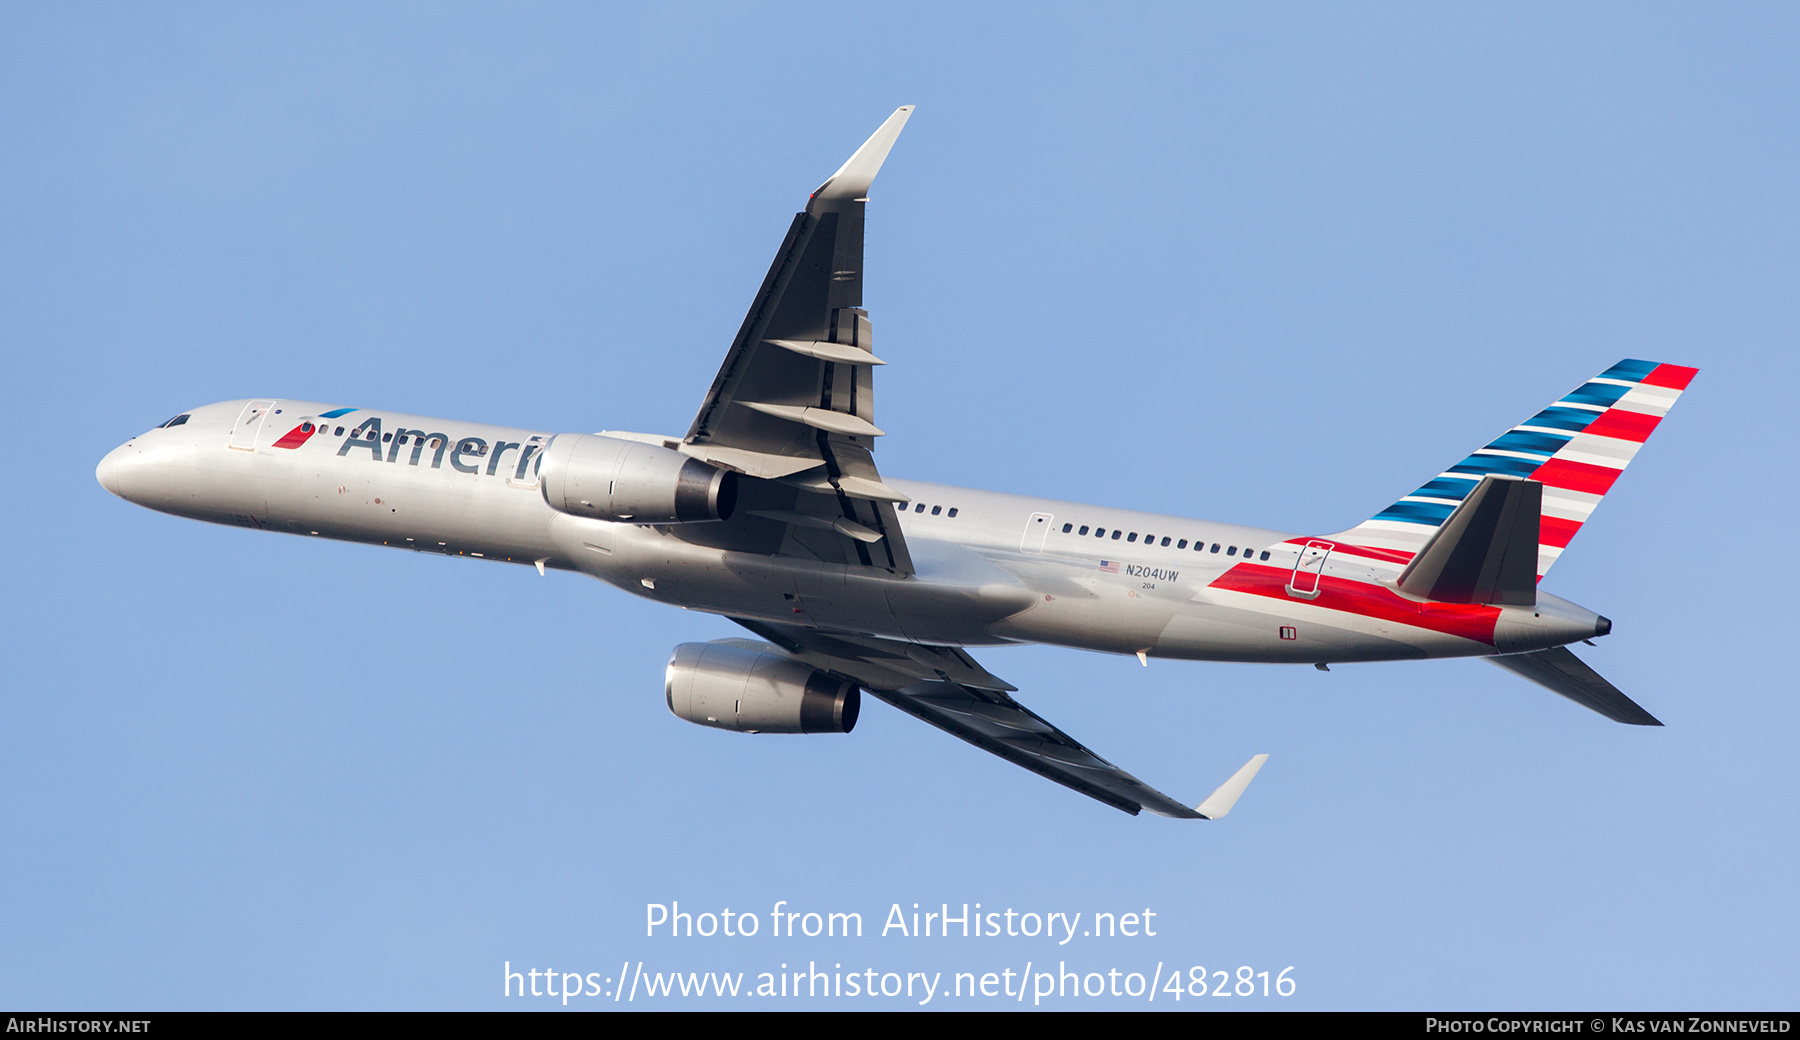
column 731, row 685
column 605, row 478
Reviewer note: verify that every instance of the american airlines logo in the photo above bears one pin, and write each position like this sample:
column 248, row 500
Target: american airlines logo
column 465, row 455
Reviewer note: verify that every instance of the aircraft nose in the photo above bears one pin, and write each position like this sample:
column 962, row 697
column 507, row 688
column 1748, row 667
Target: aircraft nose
column 108, row 471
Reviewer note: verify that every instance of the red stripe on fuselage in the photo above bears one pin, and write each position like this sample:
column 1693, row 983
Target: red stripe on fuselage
column 1626, row 426
column 1389, row 555
column 1469, row 621
column 1674, row 377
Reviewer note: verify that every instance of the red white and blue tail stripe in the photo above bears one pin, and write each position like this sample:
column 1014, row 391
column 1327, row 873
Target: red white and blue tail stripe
column 1576, row 448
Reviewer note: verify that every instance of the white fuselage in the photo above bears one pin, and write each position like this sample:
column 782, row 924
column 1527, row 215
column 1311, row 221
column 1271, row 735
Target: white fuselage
column 990, row 568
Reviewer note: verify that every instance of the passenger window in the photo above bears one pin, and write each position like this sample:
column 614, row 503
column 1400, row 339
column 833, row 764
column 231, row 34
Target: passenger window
column 935, row 510
column 387, row 436
column 1067, row 528
column 1265, row 554
column 1231, row 551
column 920, row 508
column 339, row 433
column 1083, row 529
column 306, row 427
column 1165, row 540
column 952, row 511
column 1181, row 544
column 1099, row 532
column 1215, row 547
column 1133, row 537
column 1116, row 535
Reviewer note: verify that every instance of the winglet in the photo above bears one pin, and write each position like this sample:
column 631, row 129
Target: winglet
column 1220, row 802
column 852, row 179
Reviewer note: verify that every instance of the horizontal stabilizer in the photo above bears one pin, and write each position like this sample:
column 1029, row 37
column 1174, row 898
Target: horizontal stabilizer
column 1487, row 550
column 1559, row 670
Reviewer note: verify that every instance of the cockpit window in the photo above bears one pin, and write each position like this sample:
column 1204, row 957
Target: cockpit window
column 177, row 421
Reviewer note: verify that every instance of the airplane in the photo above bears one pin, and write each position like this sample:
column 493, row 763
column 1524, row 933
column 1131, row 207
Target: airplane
column 770, row 511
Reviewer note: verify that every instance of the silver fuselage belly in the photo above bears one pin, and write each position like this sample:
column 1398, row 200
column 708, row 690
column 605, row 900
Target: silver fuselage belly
column 990, row 568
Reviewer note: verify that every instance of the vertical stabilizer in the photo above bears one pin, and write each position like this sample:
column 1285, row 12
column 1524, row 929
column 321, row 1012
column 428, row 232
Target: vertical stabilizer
column 1575, row 448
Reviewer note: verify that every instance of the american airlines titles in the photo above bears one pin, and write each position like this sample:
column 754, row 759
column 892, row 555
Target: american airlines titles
column 368, row 435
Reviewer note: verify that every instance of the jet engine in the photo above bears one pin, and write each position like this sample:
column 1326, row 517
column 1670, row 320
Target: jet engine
column 740, row 684
column 605, row 478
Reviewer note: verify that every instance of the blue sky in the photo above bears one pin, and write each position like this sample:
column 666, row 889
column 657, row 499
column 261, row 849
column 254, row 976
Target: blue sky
column 1271, row 265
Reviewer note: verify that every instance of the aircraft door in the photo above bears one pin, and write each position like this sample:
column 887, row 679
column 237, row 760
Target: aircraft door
column 531, row 455
column 1307, row 570
column 1036, row 530
column 249, row 425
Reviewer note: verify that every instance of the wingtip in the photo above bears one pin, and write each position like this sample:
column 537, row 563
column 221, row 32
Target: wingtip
column 852, row 180
column 1220, row 801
